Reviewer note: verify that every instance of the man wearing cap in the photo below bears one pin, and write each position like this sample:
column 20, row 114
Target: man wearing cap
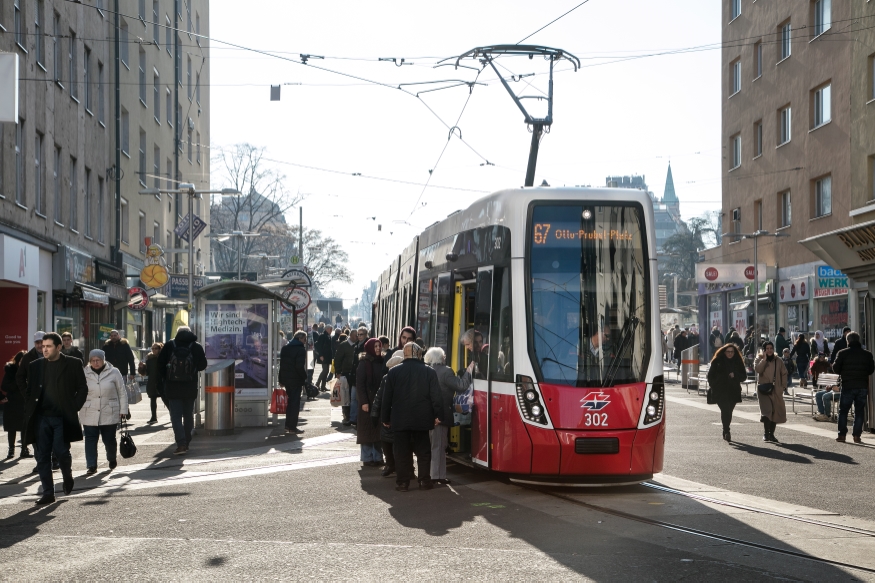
column 781, row 341
column 119, row 354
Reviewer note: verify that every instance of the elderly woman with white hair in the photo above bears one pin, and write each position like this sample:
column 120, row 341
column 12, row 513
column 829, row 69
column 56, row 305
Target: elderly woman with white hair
column 105, row 407
column 451, row 385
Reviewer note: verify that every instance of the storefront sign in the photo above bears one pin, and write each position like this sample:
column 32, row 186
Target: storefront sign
column 178, row 288
column 103, row 332
column 833, row 317
column 93, row 296
column 107, row 273
column 717, row 320
column 728, row 272
column 793, row 290
column 20, row 261
column 739, row 322
column 765, row 288
column 182, row 229
column 830, row 282
column 70, row 265
column 138, row 299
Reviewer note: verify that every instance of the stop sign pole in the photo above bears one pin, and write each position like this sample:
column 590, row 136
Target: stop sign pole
column 756, row 272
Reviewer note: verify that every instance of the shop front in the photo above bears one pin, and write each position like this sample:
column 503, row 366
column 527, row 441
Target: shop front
column 25, row 283
column 81, row 307
column 793, row 298
column 831, row 294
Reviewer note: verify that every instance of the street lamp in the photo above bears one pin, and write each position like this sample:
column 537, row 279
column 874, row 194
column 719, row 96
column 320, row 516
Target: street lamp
column 189, row 190
column 239, row 235
column 756, row 272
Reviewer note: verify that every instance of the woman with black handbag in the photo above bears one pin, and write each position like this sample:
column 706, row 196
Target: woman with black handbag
column 725, row 375
column 771, row 384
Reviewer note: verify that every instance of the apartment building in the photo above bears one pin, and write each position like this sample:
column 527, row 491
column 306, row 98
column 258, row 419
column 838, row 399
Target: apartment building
column 72, row 223
column 799, row 154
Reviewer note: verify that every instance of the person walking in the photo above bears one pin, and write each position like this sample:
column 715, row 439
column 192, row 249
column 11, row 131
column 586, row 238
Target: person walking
column 412, row 406
column 681, row 343
column 33, row 354
column 153, row 381
column 368, row 375
column 819, row 344
column 120, row 355
column 450, row 385
column 734, row 338
column 179, row 362
column 13, row 406
column 293, row 376
column 344, row 363
column 771, row 384
column 854, row 365
column 56, row 390
column 725, row 375
column 323, row 346
column 70, row 350
column 781, row 341
column 105, row 407
column 715, row 340
column 387, row 436
column 840, row 344
column 802, row 352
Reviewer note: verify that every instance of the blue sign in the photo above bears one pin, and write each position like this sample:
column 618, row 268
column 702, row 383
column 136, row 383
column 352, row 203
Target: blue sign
column 827, row 271
column 182, row 229
column 178, row 286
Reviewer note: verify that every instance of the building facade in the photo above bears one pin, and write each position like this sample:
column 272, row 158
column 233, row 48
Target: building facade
column 71, row 219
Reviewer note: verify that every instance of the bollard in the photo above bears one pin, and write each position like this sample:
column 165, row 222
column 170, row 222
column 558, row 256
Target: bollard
column 219, row 395
column 690, row 367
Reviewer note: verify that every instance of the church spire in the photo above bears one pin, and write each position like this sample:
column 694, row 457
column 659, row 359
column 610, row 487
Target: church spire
column 669, row 196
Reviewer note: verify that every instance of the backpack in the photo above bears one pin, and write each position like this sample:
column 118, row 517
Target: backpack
column 180, row 369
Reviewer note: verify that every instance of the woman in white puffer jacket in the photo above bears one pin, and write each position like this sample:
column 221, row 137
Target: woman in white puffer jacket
column 106, row 406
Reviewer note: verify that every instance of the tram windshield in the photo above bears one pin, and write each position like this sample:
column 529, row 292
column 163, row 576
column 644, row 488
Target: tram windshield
column 589, row 294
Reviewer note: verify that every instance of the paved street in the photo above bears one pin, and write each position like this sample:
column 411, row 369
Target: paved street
column 260, row 505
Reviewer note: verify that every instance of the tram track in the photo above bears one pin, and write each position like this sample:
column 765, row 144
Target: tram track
column 712, row 535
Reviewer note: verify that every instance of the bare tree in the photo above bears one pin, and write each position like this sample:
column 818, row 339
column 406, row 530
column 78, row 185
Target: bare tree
column 713, row 236
column 263, row 205
column 325, row 260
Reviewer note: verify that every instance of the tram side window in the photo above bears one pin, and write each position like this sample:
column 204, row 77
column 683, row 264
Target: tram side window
column 501, row 348
column 479, row 348
column 444, row 307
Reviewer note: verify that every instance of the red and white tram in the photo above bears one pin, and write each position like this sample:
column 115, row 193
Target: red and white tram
column 556, row 287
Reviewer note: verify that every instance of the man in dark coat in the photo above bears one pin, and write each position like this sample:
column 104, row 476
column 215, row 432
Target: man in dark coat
column 69, row 350
column 344, row 359
column 854, row 364
column 412, row 406
column 323, row 347
column 408, row 334
column 180, row 380
column 293, row 376
column 781, row 341
column 681, row 343
column 119, row 354
column 56, row 390
column 840, row 344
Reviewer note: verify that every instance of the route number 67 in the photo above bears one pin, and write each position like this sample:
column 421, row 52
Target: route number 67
column 595, row 419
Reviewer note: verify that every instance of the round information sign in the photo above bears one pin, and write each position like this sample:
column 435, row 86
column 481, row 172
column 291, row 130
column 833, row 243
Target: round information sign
column 138, row 299
column 298, row 299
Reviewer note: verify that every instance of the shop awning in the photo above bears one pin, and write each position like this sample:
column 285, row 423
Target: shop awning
column 740, row 305
column 93, row 295
column 850, row 249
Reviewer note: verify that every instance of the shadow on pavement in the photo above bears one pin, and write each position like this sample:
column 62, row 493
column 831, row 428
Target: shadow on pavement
column 770, row 452
column 26, row 523
column 820, row 454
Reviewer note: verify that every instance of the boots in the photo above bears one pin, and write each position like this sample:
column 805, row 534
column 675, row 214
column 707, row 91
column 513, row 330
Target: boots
column 769, row 432
column 25, row 452
column 11, row 453
column 772, row 437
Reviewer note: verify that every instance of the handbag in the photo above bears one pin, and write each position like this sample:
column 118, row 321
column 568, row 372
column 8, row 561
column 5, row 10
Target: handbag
column 132, row 388
column 336, row 398
column 126, row 445
column 312, row 391
column 279, row 400
column 767, row 388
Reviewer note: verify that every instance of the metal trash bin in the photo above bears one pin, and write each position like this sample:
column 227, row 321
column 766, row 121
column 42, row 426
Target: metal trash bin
column 690, row 367
column 219, row 396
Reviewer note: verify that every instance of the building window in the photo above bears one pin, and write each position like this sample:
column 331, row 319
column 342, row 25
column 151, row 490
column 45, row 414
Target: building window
column 142, row 158
column 156, row 169
column 736, row 220
column 758, row 139
column 156, row 233
column 38, row 186
column 179, row 143
column 101, row 103
column 74, row 69
column 821, row 105
column 758, row 214
column 758, row 57
column 188, row 16
column 168, row 107
column 141, row 9
column 784, row 204
column 735, row 148
column 142, row 232
column 198, row 139
column 734, row 77
column 87, row 208
column 56, row 47
column 126, row 133
column 168, row 35
column 19, row 163
column 169, row 175
column 735, row 9
column 822, row 16
column 100, row 207
column 39, row 19
column 197, row 88
column 197, row 27
column 142, row 72
column 823, row 196
column 188, row 78
column 156, row 90
column 784, row 34
column 156, row 28
column 86, row 78
column 784, row 124
column 74, row 196
column 18, row 23
column 126, row 222
column 56, row 177
column 124, row 50
column 189, row 145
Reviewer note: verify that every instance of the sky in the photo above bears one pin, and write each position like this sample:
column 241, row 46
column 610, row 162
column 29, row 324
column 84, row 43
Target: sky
column 630, row 109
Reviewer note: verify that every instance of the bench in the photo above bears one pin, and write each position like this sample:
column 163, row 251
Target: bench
column 702, row 386
column 824, row 382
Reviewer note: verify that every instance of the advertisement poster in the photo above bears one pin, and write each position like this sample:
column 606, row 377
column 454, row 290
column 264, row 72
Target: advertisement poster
column 739, row 322
column 103, row 332
column 717, row 320
column 240, row 331
column 14, row 322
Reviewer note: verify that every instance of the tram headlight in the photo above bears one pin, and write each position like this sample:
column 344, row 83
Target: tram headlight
column 536, row 410
column 655, row 407
column 651, row 410
column 531, row 396
column 654, row 395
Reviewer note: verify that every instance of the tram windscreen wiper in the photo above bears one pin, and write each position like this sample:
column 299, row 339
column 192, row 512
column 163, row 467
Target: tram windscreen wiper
column 625, row 343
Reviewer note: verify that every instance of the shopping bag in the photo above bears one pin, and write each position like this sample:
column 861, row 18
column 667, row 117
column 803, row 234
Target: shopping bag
column 336, row 398
column 344, row 391
column 278, row 401
column 132, row 388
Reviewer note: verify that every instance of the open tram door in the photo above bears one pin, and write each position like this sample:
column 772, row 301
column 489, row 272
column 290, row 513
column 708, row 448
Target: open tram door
column 472, row 309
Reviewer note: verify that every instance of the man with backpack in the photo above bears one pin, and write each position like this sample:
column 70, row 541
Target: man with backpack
column 179, row 363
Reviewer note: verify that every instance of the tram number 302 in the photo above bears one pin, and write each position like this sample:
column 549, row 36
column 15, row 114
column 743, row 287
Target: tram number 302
column 595, row 419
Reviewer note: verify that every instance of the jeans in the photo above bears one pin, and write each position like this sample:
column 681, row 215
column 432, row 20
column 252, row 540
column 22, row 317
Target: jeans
column 50, row 440
column 726, row 410
column 107, row 435
column 323, row 376
column 405, row 445
column 857, row 398
column 372, row 452
column 182, row 418
column 802, row 369
column 439, row 452
column 824, row 401
column 293, row 407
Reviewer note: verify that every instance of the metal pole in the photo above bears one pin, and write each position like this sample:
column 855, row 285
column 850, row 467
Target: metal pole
column 239, row 252
column 191, row 195
column 301, row 234
column 675, row 290
column 756, row 292
column 537, row 128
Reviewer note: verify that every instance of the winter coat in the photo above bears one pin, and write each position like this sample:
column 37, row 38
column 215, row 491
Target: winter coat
column 386, row 433
column 293, row 366
column 13, row 410
column 681, row 343
column 343, row 359
column 839, row 345
column 724, row 389
column 181, row 389
column 366, row 387
column 713, row 340
column 815, row 349
column 772, row 405
column 153, row 376
column 803, row 353
column 739, row 343
column 781, row 343
column 451, row 385
column 75, row 353
column 107, row 398
column 854, row 364
column 71, row 378
column 412, row 400
column 323, row 348
column 120, row 355
column 818, row 368
column 24, row 368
